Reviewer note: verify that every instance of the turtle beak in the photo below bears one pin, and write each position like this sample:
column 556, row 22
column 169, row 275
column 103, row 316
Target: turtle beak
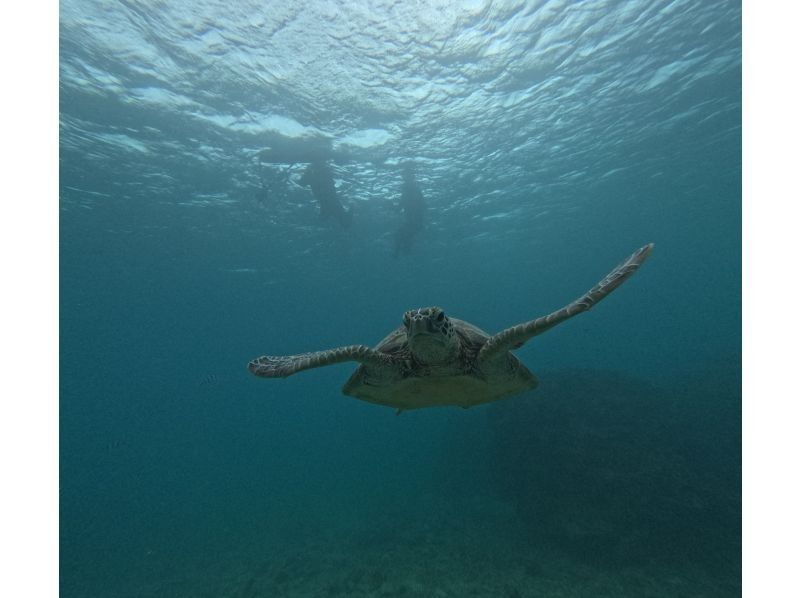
column 422, row 326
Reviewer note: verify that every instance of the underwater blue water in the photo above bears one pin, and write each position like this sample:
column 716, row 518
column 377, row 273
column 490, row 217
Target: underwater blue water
column 550, row 140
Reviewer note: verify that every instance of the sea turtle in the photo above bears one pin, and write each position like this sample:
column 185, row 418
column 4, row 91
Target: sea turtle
column 434, row 359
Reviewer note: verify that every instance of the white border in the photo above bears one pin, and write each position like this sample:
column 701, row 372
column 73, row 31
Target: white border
column 29, row 301
column 771, row 165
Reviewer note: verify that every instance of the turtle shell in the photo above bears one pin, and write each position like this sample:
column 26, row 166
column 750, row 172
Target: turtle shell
column 459, row 383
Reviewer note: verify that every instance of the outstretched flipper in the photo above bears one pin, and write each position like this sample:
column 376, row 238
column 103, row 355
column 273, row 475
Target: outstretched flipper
column 269, row 366
column 516, row 336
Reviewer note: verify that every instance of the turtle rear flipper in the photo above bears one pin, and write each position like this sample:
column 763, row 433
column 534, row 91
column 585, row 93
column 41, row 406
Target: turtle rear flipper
column 516, row 336
column 281, row 366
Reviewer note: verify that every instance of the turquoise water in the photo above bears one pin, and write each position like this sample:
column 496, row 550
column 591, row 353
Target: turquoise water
column 549, row 140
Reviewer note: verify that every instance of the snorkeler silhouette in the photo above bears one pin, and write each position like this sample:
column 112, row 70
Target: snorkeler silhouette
column 413, row 205
column 319, row 177
column 262, row 193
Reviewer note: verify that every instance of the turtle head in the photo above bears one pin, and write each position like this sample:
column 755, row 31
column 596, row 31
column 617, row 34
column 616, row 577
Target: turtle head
column 431, row 336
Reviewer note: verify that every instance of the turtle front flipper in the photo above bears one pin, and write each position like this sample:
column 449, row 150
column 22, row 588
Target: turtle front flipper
column 269, row 366
column 516, row 336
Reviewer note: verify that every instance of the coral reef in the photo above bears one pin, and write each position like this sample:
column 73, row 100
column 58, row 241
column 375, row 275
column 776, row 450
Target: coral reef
column 617, row 472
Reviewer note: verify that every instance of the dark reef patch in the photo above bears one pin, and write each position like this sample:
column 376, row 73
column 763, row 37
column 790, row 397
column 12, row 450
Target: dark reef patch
column 617, row 472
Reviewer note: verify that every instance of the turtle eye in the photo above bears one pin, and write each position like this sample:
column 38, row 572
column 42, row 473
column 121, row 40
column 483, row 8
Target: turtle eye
column 406, row 320
column 440, row 317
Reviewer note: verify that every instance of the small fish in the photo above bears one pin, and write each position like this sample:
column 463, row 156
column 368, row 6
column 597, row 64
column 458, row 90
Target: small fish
column 209, row 380
column 113, row 445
